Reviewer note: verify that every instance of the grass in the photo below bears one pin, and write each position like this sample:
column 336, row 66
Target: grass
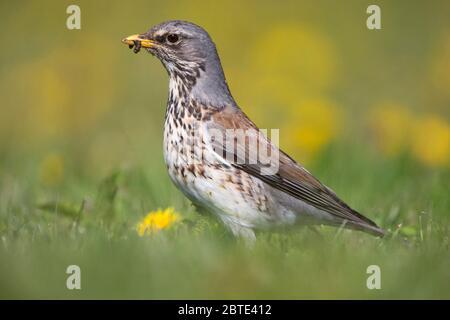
column 91, row 223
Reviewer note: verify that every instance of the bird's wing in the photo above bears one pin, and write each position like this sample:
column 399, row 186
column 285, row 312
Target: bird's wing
column 290, row 178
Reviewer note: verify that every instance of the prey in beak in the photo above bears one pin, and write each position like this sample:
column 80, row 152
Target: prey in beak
column 137, row 42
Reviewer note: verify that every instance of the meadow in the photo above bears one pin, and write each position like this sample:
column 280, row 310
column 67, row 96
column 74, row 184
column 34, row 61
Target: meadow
column 81, row 163
column 197, row 258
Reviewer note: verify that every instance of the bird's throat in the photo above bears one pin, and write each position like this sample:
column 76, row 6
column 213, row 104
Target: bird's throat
column 200, row 82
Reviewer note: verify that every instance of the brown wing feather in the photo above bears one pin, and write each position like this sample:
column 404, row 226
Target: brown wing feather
column 291, row 177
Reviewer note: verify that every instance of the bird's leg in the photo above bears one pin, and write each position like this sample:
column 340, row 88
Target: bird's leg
column 247, row 235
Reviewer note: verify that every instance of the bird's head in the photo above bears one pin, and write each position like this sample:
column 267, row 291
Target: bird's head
column 187, row 52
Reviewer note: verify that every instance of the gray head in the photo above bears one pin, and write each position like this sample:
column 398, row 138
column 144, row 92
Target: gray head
column 188, row 54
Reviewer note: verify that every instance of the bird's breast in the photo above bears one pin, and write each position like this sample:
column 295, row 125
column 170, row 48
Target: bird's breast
column 184, row 145
column 193, row 166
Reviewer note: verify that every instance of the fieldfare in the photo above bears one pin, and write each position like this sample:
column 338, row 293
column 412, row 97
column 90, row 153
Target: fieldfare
column 217, row 156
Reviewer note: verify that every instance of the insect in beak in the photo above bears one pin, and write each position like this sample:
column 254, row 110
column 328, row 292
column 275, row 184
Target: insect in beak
column 137, row 42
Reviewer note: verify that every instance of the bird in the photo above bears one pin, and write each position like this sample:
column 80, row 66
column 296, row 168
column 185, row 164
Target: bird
column 227, row 176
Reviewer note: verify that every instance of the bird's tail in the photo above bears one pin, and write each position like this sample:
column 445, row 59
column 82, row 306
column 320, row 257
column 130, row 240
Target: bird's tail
column 372, row 228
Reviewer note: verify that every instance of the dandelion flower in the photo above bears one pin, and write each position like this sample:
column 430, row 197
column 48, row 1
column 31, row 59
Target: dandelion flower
column 391, row 125
column 318, row 125
column 282, row 73
column 431, row 145
column 157, row 220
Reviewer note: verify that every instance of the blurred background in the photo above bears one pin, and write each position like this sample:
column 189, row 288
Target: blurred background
column 310, row 68
column 81, row 116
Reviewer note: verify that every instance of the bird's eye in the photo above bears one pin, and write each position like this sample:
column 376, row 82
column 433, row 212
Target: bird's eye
column 172, row 38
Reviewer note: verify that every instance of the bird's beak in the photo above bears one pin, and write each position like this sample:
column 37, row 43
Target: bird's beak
column 144, row 43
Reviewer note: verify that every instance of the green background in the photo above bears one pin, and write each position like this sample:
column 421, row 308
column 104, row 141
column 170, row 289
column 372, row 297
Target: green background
column 81, row 163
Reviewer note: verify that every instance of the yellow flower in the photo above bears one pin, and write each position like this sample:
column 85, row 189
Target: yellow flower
column 52, row 169
column 286, row 61
column 427, row 137
column 431, row 143
column 157, row 220
column 391, row 125
column 313, row 125
column 293, row 59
